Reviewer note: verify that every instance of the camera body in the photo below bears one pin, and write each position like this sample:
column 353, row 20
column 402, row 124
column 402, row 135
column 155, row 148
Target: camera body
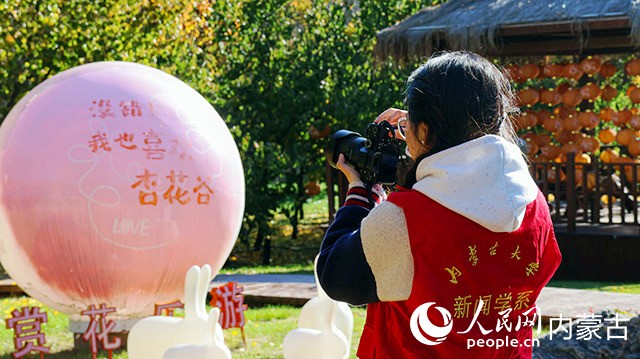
column 375, row 156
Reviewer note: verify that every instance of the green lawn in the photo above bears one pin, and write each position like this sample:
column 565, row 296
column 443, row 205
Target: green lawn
column 285, row 250
column 265, row 329
column 282, row 269
column 618, row 287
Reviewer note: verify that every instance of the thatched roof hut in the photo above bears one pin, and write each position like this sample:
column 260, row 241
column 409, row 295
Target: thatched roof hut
column 515, row 28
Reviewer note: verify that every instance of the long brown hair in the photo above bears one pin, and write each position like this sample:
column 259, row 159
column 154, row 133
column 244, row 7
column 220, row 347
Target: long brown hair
column 460, row 96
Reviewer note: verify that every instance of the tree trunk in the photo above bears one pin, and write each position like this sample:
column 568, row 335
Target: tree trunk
column 294, row 223
column 245, row 232
column 266, row 252
column 298, row 205
column 257, row 245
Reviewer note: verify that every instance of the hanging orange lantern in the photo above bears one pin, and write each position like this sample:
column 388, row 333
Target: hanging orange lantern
column 529, row 71
column 552, row 70
column 634, row 94
column 562, row 88
column 590, row 65
column 528, row 97
column 606, row 114
column 528, row 136
column 542, row 139
column 550, row 97
column 550, row 151
column 572, row 98
column 552, row 124
column 564, row 136
column 633, row 67
column 530, row 119
column 634, row 122
column 608, row 93
column 563, row 112
column 589, row 144
column 588, row 119
column 608, row 69
column 590, row 91
column 634, row 148
column 525, row 120
column 326, row 131
column 609, row 156
column 583, row 158
column 607, row 135
column 580, row 140
column 578, row 137
column 572, row 71
column 624, row 137
column 620, row 118
column 532, row 148
column 570, row 147
column 571, row 123
column 543, row 115
column 314, row 132
column 312, row 188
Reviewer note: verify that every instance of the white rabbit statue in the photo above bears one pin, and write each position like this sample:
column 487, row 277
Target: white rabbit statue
column 150, row 337
column 320, row 314
column 317, row 308
column 326, row 343
column 213, row 348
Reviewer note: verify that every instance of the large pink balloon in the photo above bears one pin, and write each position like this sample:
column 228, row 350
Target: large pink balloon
column 116, row 178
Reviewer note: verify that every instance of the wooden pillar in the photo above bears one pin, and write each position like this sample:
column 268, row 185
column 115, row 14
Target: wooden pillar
column 331, row 197
column 337, row 185
column 570, row 212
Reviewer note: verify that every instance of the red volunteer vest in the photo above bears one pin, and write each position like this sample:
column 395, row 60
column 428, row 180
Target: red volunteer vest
column 456, row 263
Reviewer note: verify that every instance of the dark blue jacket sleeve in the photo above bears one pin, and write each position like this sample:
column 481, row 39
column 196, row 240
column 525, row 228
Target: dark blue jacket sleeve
column 342, row 268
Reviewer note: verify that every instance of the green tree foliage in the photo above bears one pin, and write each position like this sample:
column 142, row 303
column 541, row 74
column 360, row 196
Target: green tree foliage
column 276, row 70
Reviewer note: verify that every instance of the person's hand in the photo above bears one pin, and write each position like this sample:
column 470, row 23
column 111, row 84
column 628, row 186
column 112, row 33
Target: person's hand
column 348, row 170
column 392, row 115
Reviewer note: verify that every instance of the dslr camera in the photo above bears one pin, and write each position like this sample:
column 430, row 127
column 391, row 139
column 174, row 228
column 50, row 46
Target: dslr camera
column 375, row 156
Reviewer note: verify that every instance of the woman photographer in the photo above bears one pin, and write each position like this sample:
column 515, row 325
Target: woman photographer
column 470, row 231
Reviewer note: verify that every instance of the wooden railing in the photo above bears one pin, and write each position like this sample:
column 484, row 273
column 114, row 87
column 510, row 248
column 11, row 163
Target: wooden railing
column 578, row 193
column 593, row 193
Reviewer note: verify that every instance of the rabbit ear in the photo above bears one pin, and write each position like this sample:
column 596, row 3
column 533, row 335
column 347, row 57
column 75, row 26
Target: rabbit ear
column 214, row 317
column 203, row 289
column 191, row 284
column 330, row 318
column 315, row 269
column 321, row 293
column 212, row 325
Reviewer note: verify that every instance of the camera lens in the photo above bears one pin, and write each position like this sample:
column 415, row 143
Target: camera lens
column 375, row 156
column 349, row 143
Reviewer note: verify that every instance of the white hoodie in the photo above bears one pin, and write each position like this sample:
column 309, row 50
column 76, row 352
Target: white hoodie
column 485, row 180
